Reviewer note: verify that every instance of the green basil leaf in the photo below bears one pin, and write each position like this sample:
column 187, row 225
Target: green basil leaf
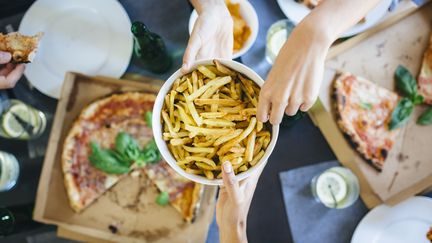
column 150, row 154
column 127, row 146
column 365, row 105
column 401, row 113
column 418, row 99
column 405, row 82
column 426, row 117
column 148, row 118
column 106, row 160
column 163, row 199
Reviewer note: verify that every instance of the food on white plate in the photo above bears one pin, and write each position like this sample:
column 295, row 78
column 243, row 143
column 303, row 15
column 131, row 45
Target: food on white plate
column 241, row 30
column 22, row 48
column 429, row 235
column 425, row 77
column 209, row 117
column 363, row 110
column 310, row 3
column 112, row 137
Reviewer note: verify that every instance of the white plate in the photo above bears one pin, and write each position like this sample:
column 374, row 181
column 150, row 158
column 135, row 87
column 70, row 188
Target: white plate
column 87, row 36
column 296, row 12
column 406, row 222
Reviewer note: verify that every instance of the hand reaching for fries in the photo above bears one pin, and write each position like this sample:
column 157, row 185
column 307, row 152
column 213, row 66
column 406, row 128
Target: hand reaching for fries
column 212, row 35
column 233, row 205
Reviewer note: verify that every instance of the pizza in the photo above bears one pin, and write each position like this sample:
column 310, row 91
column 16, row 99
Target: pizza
column 425, row 77
column 363, row 110
column 22, row 48
column 100, row 122
column 183, row 194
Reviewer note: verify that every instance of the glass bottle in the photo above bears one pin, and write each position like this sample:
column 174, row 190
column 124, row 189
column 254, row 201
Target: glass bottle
column 9, row 171
column 15, row 219
column 150, row 49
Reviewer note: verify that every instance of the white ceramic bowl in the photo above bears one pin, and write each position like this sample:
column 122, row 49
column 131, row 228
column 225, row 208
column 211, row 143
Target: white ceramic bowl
column 248, row 13
column 162, row 145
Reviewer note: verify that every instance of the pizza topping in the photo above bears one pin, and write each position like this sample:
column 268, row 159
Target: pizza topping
column 148, row 118
column 407, row 85
column 163, row 199
column 107, row 160
column 401, row 113
column 426, row 117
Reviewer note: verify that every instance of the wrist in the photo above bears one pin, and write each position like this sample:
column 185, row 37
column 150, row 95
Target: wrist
column 213, row 6
column 319, row 33
column 235, row 233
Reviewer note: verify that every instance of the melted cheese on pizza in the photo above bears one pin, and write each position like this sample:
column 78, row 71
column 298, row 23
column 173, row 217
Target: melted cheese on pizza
column 425, row 77
column 364, row 110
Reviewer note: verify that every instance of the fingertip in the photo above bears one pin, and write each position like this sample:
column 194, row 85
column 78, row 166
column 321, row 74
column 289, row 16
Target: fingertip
column 227, row 167
column 185, row 67
column 5, row 57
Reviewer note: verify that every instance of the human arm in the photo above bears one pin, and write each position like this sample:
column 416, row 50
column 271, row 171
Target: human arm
column 233, row 205
column 294, row 81
column 212, row 35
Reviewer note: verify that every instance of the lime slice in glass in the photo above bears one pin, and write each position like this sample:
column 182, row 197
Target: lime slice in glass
column 11, row 126
column 330, row 183
column 277, row 40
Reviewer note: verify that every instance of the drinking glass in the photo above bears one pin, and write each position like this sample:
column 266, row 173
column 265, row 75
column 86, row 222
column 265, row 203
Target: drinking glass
column 277, row 34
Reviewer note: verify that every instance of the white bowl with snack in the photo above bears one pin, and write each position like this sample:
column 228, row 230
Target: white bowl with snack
column 208, row 116
column 246, row 25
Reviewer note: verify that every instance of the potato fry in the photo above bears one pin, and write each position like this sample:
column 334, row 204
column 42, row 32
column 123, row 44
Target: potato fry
column 221, row 68
column 193, row 171
column 228, row 137
column 205, row 166
column 198, row 149
column 171, row 105
column 193, row 111
column 237, row 149
column 214, row 83
column 200, row 84
column 257, row 158
column 185, row 118
column 174, row 152
column 218, row 123
column 235, row 109
column 176, row 84
column 189, row 85
column 242, row 136
column 234, row 117
column 194, row 78
column 200, row 159
column 206, row 72
column 182, row 87
column 212, row 115
column 247, row 84
column 266, row 142
column 222, row 102
column 242, row 168
column 180, row 141
column 214, row 107
column 258, row 145
column 168, row 123
column 249, row 112
column 231, row 158
column 204, row 144
column 207, row 131
column 250, row 146
column 259, row 126
column 209, row 174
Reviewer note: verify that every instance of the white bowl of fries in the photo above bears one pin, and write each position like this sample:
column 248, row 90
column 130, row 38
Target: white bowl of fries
column 208, row 116
column 245, row 21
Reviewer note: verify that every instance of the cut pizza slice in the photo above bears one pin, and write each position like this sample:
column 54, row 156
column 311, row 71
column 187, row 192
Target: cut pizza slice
column 22, row 48
column 425, row 77
column 101, row 122
column 363, row 110
column 184, row 195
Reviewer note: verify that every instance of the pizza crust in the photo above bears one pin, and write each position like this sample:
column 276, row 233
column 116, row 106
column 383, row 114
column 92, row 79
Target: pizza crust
column 366, row 129
column 425, row 76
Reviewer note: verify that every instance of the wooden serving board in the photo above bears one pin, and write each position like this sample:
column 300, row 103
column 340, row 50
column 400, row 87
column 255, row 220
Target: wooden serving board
column 129, row 206
column 408, row 170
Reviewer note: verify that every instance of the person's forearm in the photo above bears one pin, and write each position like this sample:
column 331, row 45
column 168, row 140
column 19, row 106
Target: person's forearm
column 233, row 233
column 201, row 5
column 333, row 17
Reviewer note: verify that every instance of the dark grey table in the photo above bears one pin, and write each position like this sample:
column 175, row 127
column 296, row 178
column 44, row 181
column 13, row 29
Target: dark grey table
column 299, row 145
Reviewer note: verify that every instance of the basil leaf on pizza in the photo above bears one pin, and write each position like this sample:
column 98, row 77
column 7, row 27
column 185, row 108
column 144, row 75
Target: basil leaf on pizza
column 150, row 154
column 127, row 146
column 163, row 198
column 405, row 82
column 401, row 113
column 426, row 117
column 106, row 160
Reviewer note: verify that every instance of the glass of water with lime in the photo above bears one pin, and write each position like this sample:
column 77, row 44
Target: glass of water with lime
column 20, row 121
column 336, row 187
column 277, row 34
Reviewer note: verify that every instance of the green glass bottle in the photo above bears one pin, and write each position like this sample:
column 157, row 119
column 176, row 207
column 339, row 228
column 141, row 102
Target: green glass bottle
column 150, row 49
column 16, row 219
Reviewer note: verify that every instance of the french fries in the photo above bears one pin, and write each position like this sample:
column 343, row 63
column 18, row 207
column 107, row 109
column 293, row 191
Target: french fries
column 209, row 117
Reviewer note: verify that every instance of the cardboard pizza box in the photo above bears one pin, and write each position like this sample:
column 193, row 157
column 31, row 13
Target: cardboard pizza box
column 408, row 169
column 127, row 212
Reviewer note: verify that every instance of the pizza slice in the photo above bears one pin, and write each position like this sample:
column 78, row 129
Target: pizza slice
column 22, row 48
column 100, row 122
column 363, row 110
column 184, row 195
column 425, row 77
column 429, row 235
